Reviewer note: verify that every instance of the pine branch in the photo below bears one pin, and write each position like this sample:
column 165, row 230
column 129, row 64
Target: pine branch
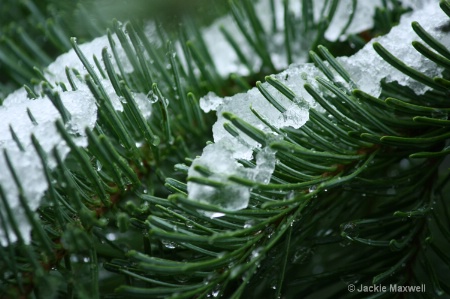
column 337, row 182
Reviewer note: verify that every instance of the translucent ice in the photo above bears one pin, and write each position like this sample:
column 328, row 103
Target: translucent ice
column 220, row 158
column 367, row 68
column 27, row 164
column 82, row 109
column 273, row 23
column 363, row 18
column 210, row 102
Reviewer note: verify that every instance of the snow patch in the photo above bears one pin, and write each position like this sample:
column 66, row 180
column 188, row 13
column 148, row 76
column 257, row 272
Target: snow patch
column 82, row 109
column 366, row 68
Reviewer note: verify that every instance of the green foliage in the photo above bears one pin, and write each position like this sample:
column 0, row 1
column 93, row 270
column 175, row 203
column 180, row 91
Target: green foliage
column 359, row 195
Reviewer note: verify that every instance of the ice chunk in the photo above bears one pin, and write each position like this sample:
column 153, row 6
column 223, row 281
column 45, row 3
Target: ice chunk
column 144, row 103
column 56, row 71
column 218, row 157
column 265, row 164
column 416, row 4
column 227, row 61
column 210, row 102
column 27, row 164
column 82, row 109
column 221, row 157
column 362, row 19
column 367, row 68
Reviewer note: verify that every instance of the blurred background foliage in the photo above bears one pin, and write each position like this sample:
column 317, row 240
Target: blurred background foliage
column 34, row 33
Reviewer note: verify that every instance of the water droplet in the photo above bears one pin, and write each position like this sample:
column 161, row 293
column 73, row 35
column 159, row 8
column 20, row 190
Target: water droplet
column 152, row 97
column 111, row 236
column 290, row 195
column 312, row 188
column 169, row 244
column 182, row 278
column 249, row 223
column 216, row 291
column 165, row 102
column 350, row 229
column 269, row 231
column 256, row 253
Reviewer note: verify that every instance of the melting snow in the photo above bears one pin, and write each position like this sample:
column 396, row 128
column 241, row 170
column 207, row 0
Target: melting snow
column 83, row 114
column 221, row 156
column 366, row 68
